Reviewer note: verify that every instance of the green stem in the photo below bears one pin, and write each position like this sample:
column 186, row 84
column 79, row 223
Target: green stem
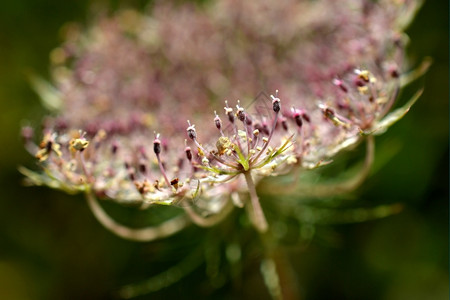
column 164, row 279
column 259, row 220
column 209, row 220
column 146, row 234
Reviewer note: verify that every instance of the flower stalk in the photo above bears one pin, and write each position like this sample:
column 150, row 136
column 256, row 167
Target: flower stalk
column 258, row 218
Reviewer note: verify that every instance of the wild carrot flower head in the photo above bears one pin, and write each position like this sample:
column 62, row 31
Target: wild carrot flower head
column 138, row 98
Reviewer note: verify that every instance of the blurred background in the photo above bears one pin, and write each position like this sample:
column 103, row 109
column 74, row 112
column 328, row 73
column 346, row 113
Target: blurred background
column 51, row 247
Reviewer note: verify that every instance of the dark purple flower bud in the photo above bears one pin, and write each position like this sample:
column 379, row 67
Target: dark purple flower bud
column 361, row 78
column 48, row 146
column 231, row 118
column 217, row 121
column 188, row 153
column 165, row 144
column 276, row 105
column 339, row 83
column 240, row 114
column 393, row 71
column 131, row 174
column 306, row 117
column 192, row 134
column 298, row 120
column 358, row 82
column 398, row 40
column 157, row 145
column 229, row 112
column 258, row 127
column 61, row 124
column 297, row 114
column 265, row 128
column 344, row 105
column 248, row 120
column 114, row 147
column 180, row 163
column 328, row 113
column 174, row 182
column 284, row 124
column 142, row 167
column 141, row 151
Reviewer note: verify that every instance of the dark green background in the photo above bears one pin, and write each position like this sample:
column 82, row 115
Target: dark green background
column 52, row 248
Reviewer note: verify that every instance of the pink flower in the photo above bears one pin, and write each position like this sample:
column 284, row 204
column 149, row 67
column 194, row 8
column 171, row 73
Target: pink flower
column 124, row 89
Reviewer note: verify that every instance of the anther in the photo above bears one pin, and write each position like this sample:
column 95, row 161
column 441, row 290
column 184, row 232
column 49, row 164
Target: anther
column 174, row 182
column 78, row 144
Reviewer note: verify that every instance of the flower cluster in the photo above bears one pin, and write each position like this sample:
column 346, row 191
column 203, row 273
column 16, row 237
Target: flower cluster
column 132, row 97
